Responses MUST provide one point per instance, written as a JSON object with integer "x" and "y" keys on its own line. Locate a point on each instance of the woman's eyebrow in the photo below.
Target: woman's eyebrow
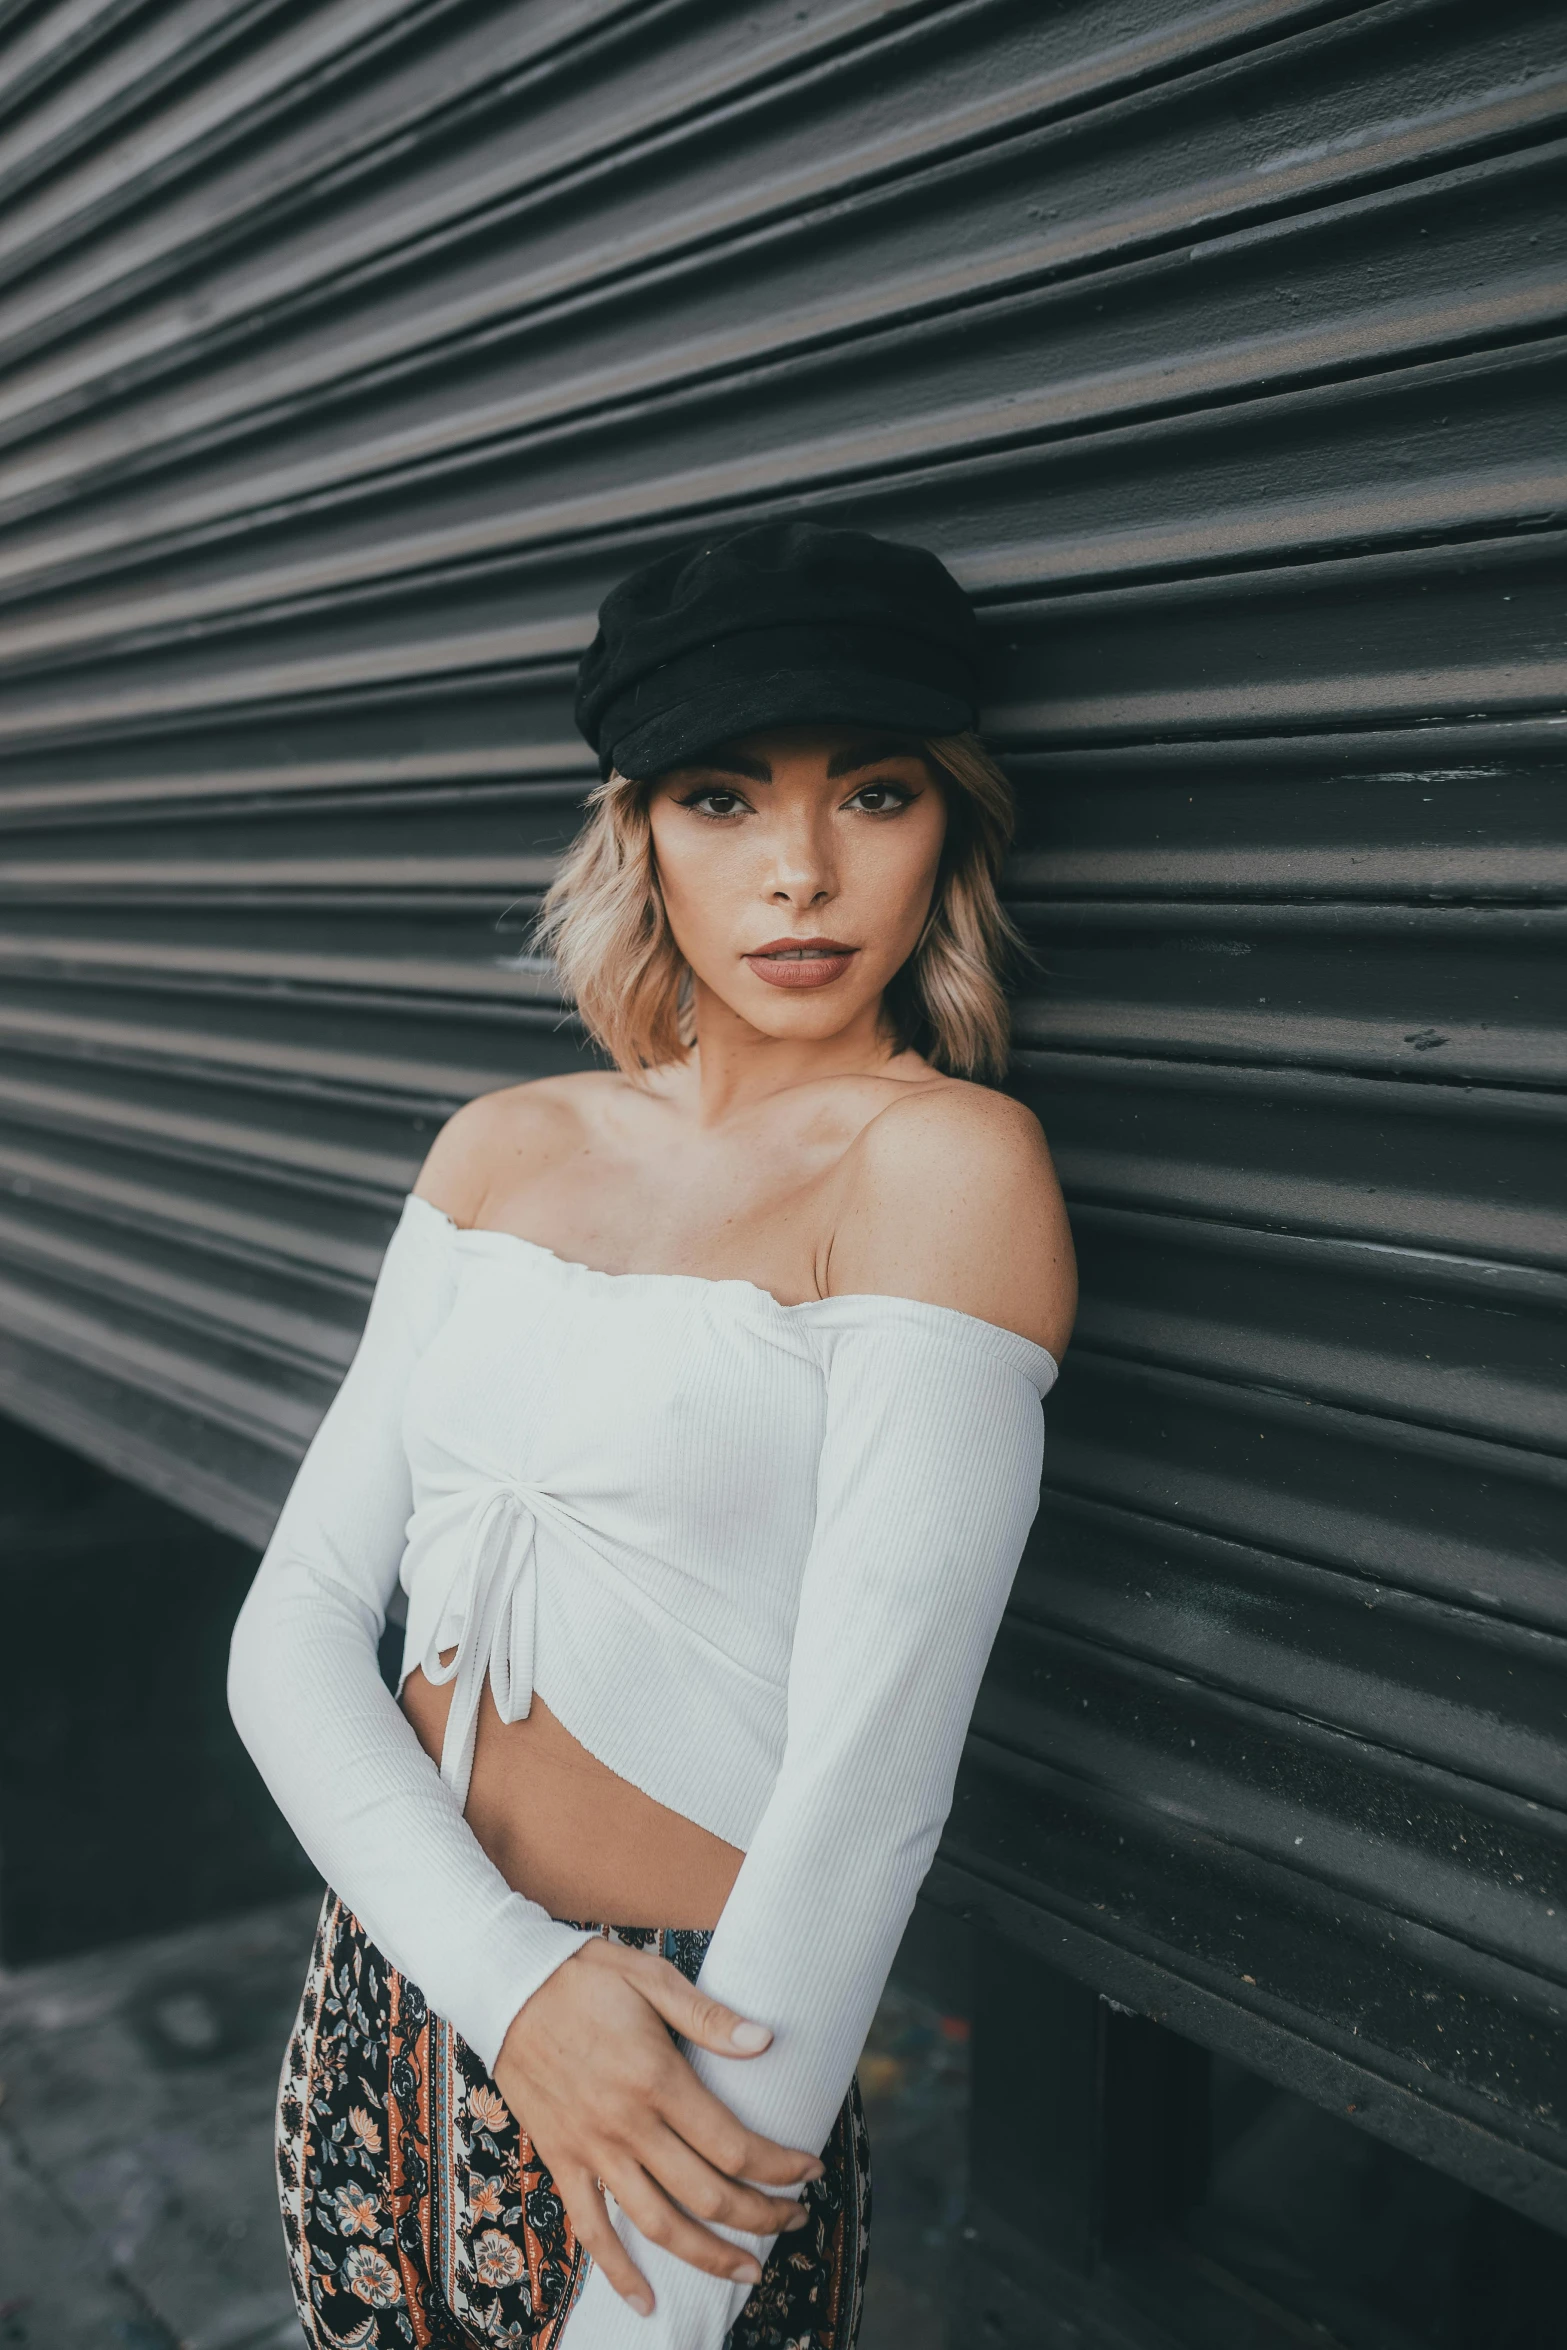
{"x": 860, "y": 755}
{"x": 725, "y": 762}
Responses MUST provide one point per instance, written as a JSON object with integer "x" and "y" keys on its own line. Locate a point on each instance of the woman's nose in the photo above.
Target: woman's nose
{"x": 801, "y": 867}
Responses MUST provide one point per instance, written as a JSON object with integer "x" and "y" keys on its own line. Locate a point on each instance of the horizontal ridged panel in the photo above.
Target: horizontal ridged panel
{"x": 346, "y": 359}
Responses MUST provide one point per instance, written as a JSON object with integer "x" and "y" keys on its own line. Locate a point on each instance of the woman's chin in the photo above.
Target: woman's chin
{"x": 809, "y": 1015}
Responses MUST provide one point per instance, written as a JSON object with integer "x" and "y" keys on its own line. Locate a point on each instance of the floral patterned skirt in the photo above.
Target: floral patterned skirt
{"x": 416, "y": 2212}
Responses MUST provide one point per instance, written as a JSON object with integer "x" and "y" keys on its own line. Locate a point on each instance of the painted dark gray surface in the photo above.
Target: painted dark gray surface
{"x": 349, "y": 355}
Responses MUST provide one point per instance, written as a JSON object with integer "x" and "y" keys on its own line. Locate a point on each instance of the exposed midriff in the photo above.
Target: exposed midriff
{"x": 567, "y": 1831}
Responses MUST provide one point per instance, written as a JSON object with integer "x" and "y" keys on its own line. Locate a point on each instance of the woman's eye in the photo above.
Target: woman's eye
{"x": 880, "y": 799}
{"x": 715, "y": 803}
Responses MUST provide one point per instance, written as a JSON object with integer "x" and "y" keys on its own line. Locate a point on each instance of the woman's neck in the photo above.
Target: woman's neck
{"x": 735, "y": 1066}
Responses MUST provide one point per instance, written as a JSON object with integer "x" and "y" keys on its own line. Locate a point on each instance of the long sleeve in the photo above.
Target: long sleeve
{"x": 308, "y": 1700}
{"x": 928, "y": 1483}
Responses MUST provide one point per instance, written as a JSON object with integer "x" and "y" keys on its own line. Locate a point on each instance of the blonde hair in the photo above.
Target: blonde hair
{"x": 604, "y": 926}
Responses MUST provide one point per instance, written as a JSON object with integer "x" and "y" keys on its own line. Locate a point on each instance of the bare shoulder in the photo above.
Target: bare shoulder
{"x": 490, "y": 1141}
{"x": 949, "y": 1196}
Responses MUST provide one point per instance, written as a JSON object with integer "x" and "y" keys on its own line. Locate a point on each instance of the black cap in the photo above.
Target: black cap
{"x": 784, "y": 625}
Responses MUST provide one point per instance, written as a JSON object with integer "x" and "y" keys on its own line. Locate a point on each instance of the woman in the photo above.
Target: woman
{"x": 697, "y": 1416}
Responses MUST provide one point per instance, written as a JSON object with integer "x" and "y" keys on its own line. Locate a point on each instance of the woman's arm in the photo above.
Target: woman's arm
{"x": 929, "y": 1480}
{"x": 307, "y": 1697}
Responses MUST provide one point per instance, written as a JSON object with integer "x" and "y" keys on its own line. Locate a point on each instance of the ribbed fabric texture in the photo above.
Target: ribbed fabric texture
{"x": 753, "y": 1556}
{"x": 307, "y": 1697}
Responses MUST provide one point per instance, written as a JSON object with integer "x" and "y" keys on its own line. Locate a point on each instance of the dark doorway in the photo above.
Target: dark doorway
{"x": 1156, "y": 2195}
{"x": 127, "y": 1804}
{"x": 1367, "y": 2245}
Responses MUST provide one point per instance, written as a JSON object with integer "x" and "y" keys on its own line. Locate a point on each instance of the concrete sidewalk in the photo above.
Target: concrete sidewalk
{"x": 136, "y": 2198}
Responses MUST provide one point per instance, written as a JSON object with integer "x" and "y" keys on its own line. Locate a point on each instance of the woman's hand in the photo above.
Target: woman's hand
{"x": 592, "y": 2075}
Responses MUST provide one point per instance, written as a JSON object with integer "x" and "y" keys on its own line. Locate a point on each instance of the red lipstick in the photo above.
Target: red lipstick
{"x": 801, "y": 962}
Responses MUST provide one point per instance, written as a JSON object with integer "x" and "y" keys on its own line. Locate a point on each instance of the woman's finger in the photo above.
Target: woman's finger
{"x": 709, "y": 2196}
{"x": 707, "y": 2023}
{"x": 584, "y": 2201}
{"x": 644, "y": 2202}
{"x": 706, "y": 2124}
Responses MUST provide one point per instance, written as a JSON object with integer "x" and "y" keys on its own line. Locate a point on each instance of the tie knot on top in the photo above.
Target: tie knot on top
{"x": 493, "y": 1595}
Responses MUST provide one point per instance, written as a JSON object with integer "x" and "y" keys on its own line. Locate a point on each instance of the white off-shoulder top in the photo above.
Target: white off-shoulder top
{"x": 753, "y": 1556}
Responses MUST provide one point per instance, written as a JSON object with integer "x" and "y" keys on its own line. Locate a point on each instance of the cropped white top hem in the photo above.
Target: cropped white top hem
{"x": 752, "y": 1555}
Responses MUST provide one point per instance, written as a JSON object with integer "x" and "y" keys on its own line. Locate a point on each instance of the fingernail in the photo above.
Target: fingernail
{"x": 642, "y": 2303}
{"x": 816, "y": 2170}
{"x": 749, "y": 2038}
{"x": 748, "y": 2273}
{"x": 796, "y": 2219}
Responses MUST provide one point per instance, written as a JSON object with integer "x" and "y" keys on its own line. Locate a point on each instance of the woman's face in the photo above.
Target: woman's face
{"x": 797, "y": 870}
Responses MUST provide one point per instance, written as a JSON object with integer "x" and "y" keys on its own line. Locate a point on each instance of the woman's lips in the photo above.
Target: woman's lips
{"x": 801, "y": 962}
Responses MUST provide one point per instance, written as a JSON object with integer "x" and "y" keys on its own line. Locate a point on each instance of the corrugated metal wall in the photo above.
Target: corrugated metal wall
{"x": 351, "y": 350}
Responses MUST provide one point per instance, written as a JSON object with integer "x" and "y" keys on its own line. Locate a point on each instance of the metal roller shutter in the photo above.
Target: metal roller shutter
{"x": 350, "y": 352}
